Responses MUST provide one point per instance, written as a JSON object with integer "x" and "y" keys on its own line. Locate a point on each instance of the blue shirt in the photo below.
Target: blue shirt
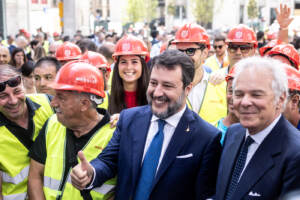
{"x": 222, "y": 128}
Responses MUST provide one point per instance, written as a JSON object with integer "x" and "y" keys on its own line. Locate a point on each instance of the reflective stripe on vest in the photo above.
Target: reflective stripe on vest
{"x": 104, "y": 189}
{"x": 18, "y": 178}
{"x": 51, "y": 183}
{"x": 15, "y": 196}
{"x": 54, "y": 166}
{"x": 15, "y": 164}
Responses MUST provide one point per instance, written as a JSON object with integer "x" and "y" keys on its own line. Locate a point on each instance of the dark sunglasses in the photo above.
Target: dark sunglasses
{"x": 218, "y": 46}
{"x": 191, "y": 51}
{"x": 244, "y": 48}
{"x": 12, "y": 82}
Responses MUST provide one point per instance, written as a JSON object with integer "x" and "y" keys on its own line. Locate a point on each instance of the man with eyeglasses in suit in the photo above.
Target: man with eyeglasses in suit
{"x": 204, "y": 98}
{"x": 21, "y": 118}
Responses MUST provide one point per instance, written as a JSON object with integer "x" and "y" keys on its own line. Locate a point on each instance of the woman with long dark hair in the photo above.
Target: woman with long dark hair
{"x": 18, "y": 58}
{"x": 130, "y": 75}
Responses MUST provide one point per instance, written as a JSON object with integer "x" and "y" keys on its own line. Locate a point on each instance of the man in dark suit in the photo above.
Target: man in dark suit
{"x": 185, "y": 167}
{"x": 261, "y": 157}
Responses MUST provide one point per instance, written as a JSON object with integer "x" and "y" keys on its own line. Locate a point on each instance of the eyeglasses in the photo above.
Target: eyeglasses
{"x": 12, "y": 82}
{"x": 218, "y": 46}
{"x": 51, "y": 52}
{"x": 244, "y": 48}
{"x": 191, "y": 51}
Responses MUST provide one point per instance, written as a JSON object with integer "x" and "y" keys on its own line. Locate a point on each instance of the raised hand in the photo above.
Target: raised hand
{"x": 82, "y": 173}
{"x": 283, "y": 16}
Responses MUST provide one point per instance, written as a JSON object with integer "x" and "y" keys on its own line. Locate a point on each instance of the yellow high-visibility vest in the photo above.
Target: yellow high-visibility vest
{"x": 14, "y": 160}
{"x": 213, "y": 106}
{"x": 54, "y": 166}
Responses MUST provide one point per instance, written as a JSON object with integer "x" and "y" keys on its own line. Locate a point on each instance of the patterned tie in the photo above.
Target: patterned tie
{"x": 150, "y": 163}
{"x": 239, "y": 166}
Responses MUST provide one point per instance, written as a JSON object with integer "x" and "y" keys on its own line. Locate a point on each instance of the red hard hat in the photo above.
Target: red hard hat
{"x": 79, "y": 76}
{"x": 242, "y": 33}
{"x": 131, "y": 45}
{"x": 288, "y": 51}
{"x": 163, "y": 47}
{"x": 192, "y": 33}
{"x": 55, "y": 34}
{"x": 272, "y": 35}
{"x": 231, "y": 74}
{"x": 95, "y": 59}
{"x": 293, "y": 76}
{"x": 67, "y": 51}
{"x": 269, "y": 46}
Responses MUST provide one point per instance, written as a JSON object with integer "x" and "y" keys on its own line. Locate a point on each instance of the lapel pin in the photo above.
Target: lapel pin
{"x": 188, "y": 129}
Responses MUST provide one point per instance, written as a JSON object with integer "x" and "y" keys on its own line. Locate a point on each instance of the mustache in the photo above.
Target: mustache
{"x": 159, "y": 98}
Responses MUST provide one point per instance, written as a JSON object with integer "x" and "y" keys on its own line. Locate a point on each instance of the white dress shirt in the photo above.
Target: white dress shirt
{"x": 258, "y": 139}
{"x": 197, "y": 93}
{"x": 169, "y": 128}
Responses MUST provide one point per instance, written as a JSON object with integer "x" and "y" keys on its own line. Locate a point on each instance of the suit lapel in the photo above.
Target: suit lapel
{"x": 231, "y": 152}
{"x": 262, "y": 160}
{"x": 179, "y": 137}
{"x": 139, "y": 132}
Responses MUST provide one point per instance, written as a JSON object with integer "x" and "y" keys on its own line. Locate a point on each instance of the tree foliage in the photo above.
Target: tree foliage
{"x": 139, "y": 11}
{"x": 171, "y": 9}
{"x": 252, "y": 9}
{"x": 203, "y": 11}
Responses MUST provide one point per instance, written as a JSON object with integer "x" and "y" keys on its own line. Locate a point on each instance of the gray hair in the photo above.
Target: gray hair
{"x": 8, "y": 70}
{"x": 94, "y": 99}
{"x": 276, "y": 68}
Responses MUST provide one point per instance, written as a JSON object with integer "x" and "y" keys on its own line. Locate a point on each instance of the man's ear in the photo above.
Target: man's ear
{"x": 280, "y": 103}
{"x": 188, "y": 88}
{"x": 85, "y": 104}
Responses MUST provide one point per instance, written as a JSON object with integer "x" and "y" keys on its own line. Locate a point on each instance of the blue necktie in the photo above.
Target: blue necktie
{"x": 150, "y": 163}
{"x": 239, "y": 166}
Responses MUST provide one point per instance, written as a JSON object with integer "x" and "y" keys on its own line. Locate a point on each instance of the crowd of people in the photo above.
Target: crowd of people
{"x": 186, "y": 115}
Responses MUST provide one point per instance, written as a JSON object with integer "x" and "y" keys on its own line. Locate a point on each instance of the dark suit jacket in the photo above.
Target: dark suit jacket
{"x": 193, "y": 177}
{"x": 273, "y": 170}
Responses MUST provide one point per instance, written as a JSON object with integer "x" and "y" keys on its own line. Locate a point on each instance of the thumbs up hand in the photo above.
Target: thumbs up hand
{"x": 82, "y": 174}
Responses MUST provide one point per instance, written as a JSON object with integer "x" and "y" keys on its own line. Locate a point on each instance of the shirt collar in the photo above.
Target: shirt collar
{"x": 172, "y": 120}
{"x": 260, "y": 136}
{"x": 31, "y": 106}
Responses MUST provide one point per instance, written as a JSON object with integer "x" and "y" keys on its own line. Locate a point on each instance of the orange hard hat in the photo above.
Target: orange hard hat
{"x": 95, "y": 59}
{"x": 79, "y": 76}
{"x": 288, "y": 51}
{"x": 293, "y": 76}
{"x": 131, "y": 45}
{"x": 242, "y": 33}
{"x": 263, "y": 50}
{"x": 231, "y": 74}
{"x": 67, "y": 51}
{"x": 192, "y": 33}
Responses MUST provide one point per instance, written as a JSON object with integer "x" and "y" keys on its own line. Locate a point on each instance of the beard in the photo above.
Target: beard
{"x": 172, "y": 107}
